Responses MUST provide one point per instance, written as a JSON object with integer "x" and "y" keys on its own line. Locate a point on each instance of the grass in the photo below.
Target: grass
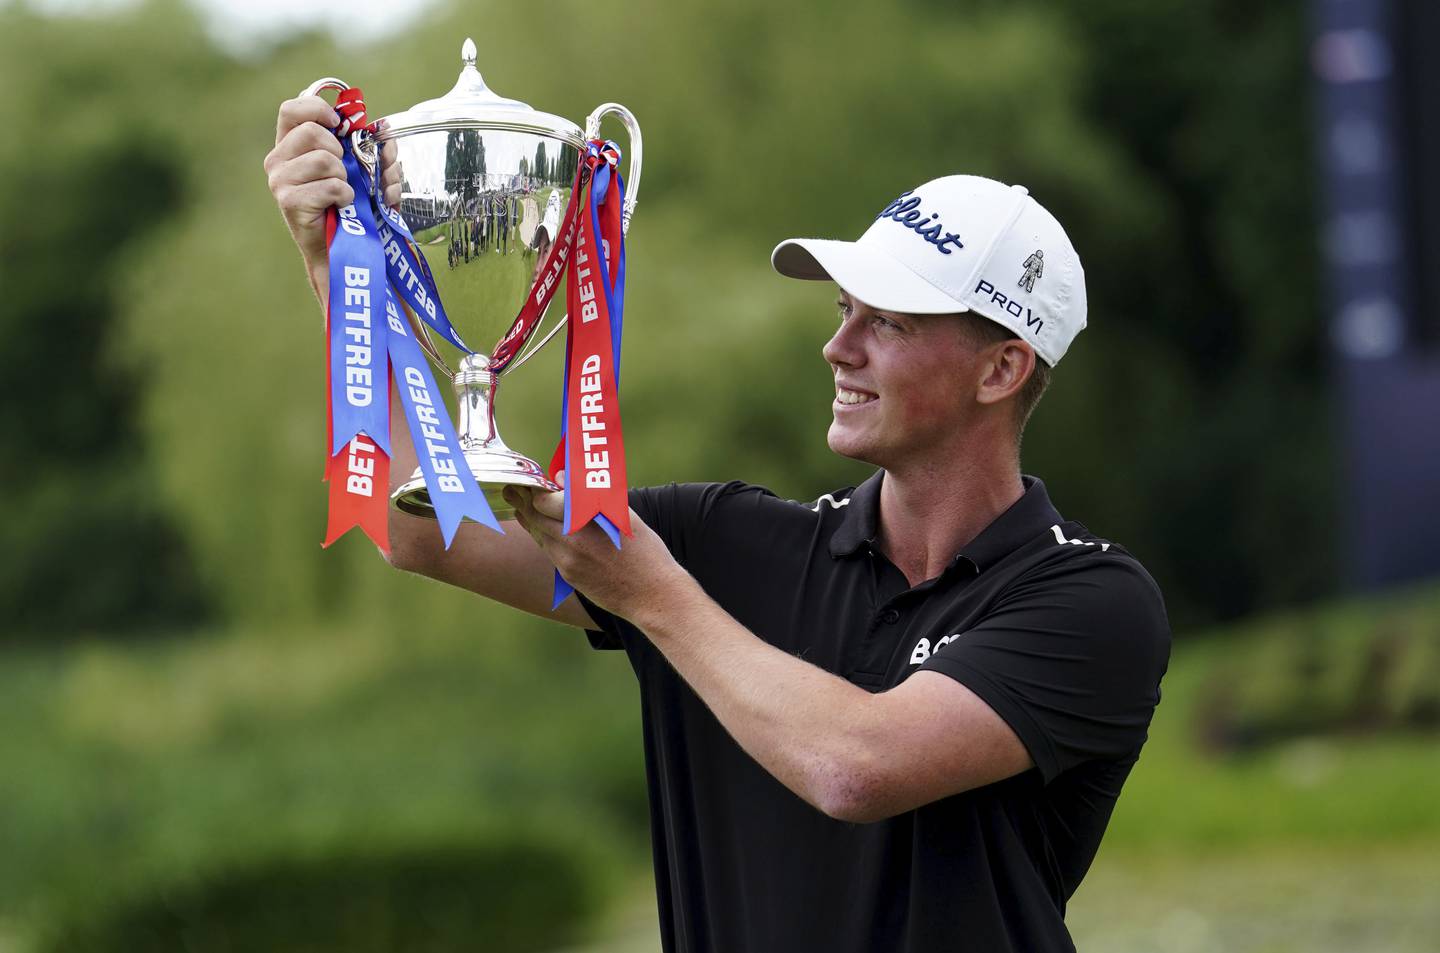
{"x": 1319, "y": 844}
{"x": 133, "y": 762}
{"x": 1315, "y": 899}
{"x": 1352, "y": 788}
{"x": 1270, "y": 900}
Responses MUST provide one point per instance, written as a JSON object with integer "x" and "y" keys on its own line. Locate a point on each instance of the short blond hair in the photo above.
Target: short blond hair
{"x": 980, "y": 331}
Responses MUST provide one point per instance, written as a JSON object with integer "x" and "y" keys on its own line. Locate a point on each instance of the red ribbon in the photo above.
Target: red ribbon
{"x": 359, "y": 478}
{"x": 593, "y": 445}
{"x": 350, "y": 105}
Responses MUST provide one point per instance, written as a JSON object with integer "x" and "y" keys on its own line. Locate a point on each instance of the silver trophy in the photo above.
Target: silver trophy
{"x": 484, "y": 180}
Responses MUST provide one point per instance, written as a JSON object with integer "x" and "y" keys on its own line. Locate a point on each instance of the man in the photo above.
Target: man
{"x": 893, "y": 719}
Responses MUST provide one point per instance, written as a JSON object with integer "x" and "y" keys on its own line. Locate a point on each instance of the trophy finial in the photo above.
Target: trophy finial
{"x": 467, "y": 52}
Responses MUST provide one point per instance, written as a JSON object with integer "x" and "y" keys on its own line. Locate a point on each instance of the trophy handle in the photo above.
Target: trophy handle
{"x": 320, "y": 85}
{"x": 632, "y": 189}
{"x": 364, "y": 145}
{"x": 637, "y": 150}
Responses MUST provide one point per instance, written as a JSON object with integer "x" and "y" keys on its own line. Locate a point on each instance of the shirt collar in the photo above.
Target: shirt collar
{"x": 1026, "y": 518}
{"x": 861, "y": 520}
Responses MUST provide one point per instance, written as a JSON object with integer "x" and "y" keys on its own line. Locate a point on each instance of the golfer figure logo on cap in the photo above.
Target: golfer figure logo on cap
{"x": 1034, "y": 268}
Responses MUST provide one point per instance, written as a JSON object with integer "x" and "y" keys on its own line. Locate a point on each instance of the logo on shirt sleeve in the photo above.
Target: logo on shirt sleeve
{"x": 827, "y": 498}
{"x": 1060, "y": 538}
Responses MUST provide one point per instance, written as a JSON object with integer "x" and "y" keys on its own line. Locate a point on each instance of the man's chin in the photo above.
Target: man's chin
{"x": 849, "y": 445}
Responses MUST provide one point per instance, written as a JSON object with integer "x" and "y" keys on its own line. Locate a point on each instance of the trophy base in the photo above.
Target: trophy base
{"x": 494, "y": 469}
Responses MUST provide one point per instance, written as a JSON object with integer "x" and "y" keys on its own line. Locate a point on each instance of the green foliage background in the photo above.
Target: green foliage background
{"x": 196, "y": 694}
{"x": 1193, "y": 407}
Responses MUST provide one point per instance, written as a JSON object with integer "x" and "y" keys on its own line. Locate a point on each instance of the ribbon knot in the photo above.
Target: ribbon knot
{"x": 350, "y": 104}
{"x": 607, "y": 152}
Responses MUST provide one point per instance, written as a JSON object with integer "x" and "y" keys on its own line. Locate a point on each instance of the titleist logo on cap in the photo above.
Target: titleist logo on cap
{"x": 906, "y": 210}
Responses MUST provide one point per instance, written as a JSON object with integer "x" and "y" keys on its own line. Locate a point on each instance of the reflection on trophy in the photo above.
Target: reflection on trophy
{"x": 484, "y": 180}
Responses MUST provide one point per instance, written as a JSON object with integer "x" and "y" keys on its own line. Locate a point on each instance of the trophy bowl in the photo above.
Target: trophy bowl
{"x": 484, "y": 180}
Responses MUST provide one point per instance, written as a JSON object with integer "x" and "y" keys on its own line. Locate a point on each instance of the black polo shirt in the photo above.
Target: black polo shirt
{"x": 1061, "y": 633}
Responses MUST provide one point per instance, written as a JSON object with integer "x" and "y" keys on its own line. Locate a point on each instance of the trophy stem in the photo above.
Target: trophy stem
{"x": 475, "y": 387}
{"x": 494, "y": 465}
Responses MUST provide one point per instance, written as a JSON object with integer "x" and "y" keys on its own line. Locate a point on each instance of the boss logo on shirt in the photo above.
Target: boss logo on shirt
{"x": 923, "y": 651}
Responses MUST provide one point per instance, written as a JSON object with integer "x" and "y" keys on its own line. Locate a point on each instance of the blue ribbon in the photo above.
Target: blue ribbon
{"x": 614, "y": 295}
{"x": 410, "y": 274}
{"x": 453, "y": 490}
{"x": 359, "y": 399}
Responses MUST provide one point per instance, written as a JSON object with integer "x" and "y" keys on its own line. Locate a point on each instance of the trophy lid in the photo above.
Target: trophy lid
{"x": 471, "y": 104}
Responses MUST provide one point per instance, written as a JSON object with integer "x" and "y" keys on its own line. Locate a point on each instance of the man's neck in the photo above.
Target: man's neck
{"x": 929, "y": 512}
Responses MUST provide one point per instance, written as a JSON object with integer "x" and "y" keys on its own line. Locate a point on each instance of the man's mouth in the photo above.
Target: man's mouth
{"x": 844, "y": 396}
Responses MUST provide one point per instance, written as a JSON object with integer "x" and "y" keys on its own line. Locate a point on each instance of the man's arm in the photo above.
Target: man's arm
{"x": 511, "y": 569}
{"x": 854, "y": 755}
{"x": 307, "y": 178}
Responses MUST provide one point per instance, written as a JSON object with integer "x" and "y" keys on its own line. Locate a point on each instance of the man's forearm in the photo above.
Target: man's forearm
{"x": 319, "y": 275}
{"x": 804, "y": 725}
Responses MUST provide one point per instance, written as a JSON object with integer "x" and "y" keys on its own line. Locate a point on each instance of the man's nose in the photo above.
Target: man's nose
{"x": 842, "y": 347}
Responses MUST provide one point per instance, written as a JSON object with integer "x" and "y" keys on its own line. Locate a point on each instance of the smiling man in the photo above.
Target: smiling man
{"x": 897, "y": 718}
{"x": 893, "y": 719}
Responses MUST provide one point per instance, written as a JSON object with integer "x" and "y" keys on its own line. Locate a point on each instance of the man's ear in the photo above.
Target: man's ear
{"x": 1006, "y": 367}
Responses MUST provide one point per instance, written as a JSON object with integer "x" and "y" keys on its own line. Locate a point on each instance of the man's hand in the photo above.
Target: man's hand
{"x": 624, "y": 581}
{"x": 307, "y": 177}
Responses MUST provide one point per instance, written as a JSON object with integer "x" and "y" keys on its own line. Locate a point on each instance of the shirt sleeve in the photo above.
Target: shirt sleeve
{"x": 677, "y": 513}
{"x": 1071, "y": 659}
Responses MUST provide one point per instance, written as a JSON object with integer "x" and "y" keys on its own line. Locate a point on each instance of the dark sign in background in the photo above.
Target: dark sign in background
{"x": 1377, "y": 83}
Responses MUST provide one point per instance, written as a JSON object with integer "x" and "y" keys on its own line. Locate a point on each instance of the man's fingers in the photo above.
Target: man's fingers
{"x": 519, "y": 497}
{"x": 302, "y": 141}
{"x": 390, "y": 183}
{"x": 306, "y": 138}
{"x": 541, "y": 528}
{"x": 303, "y": 109}
{"x": 311, "y": 199}
{"x": 314, "y": 177}
{"x": 551, "y": 505}
{"x": 536, "y": 511}
{"x": 313, "y": 166}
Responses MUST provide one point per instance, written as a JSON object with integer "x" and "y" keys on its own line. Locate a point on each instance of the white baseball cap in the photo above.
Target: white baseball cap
{"x": 959, "y": 243}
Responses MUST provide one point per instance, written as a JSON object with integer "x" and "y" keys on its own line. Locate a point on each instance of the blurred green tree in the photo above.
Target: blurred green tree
{"x": 92, "y": 544}
{"x": 1190, "y": 423}
{"x": 1212, "y": 318}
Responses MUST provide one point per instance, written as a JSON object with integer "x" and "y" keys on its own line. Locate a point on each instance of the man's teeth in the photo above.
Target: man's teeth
{"x": 852, "y": 397}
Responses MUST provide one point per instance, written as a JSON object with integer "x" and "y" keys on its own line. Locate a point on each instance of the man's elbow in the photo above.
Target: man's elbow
{"x": 404, "y": 554}
{"x": 853, "y": 792}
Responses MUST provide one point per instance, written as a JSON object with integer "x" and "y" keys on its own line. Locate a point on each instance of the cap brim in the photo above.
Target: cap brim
{"x": 866, "y": 273}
